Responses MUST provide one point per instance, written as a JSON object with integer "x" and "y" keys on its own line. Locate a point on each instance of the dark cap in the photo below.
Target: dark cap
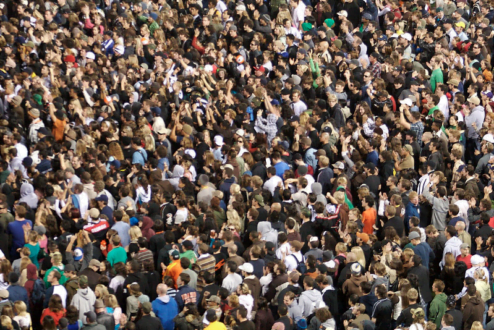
{"x": 216, "y": 245}
{"x": 43, "y": 131}
{"x": 294, "y": 119}
{"x": 91, "y": 316}
{"x": 187, "y": 244}
{"x": 269, "y": 246}
{"x": 370, "y": 166}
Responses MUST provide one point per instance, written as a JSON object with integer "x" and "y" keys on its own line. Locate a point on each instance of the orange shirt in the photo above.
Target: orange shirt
{"x": 58, "y": 129}
{"x": 369, "y": 219}
{"x": 174, "y": 270}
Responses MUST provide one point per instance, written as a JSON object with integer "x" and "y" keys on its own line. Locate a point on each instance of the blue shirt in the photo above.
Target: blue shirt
{"x": 122, "y": 228}
{"x": 15, "y": 229}
{"x": 372, "y": 157}
{"x": 281, "y": 167}
{"x": 139, "y": 157}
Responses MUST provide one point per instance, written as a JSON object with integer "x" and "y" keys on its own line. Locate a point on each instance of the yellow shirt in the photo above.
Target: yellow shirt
{"x": 216, "y": 326}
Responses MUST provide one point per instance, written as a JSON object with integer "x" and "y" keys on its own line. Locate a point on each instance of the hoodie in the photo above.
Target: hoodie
{"x": 267, "y": 126}
{"x": 473, "y": 311}
{"x": 438, "y": 308}
{"x": 317, "y": 190}
{"x": 28, "y": 196}
{"x": 477, "y": 116}
{"x": 84, "y": 301}
{"x": 268, "y": 234}
{"x": 32, "y": 276}
{"x": 352, "y": 285}
{"x": 310, "y": 300}
{"x": 147, "y": 228}
{"x": 452, "y": 246}
{"x": 165, "y": 309}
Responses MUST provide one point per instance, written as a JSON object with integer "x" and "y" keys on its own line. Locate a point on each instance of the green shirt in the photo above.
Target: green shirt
{"x": 436, "y": 78}
{"x": 34, "y": 253}
{"x": 189, "y": 255}
{"x": 117, "y": 254}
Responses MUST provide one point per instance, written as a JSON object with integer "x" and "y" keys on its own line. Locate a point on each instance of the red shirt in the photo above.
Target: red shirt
{"x": 466, "y": 260}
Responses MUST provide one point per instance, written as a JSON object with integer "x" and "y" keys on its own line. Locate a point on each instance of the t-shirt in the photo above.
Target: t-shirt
{"x": 15, "y": 229}
{"x": 117, "y": 254}
{"x": 369, "y": 219}
{"x": 58, "y": 129}
{"x": 258, "y": 267}
{"x": 34, "y": 253}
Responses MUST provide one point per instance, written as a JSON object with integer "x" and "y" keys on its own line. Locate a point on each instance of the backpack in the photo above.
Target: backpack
{"x": 301, "y": 267}
{"x": 38, "y": 294}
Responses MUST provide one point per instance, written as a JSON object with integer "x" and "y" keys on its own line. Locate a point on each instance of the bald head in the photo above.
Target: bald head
{"x": 351, "y": 257}
{"x": 276, "y": 207}
{"x": 161, "y": 289}
{"x": 460, "y": 225}
{"x": 323, "y": 46}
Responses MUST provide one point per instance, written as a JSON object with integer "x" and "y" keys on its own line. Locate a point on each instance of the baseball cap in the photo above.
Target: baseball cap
{"x": 339, "y": 165}
{"x": 460, "y": 168}
{"x": 94, "y": 263}
{"x": 214, "y": 298}
{"x": 115, "y": 163}
{"x": 174, "y": 254}
{"x": 101, "y": 198}
{"x": 78, "y": 254}
{"x": 91, "y": 316}
{"x": 356, "y": 269}
{"x": 94, "y": 213}
{"x": 83, "y": 280}
{"x": 464, "y": 246}
{"x": 408, "y": 148}
{"x": 413, "y": 235}
{"x": 247, "y": 267}
{"x": 216, "y": 245}
{"x": 370, "y": 166}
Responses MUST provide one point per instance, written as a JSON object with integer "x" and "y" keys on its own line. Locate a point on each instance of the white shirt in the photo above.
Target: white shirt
{"x": 62, "y": 292}
{"x": 220, "y": 5}
{"x": 21, "y": 150}
{"x": 463, "y": 206}
{"x": 272, "y": 183}
{"x": 444, "y": 106}
{"x": 471, "y": 271}
{"x": 231, "y": 282}
{"x": 298, "y": 15}
{"x": 248, "y": 302}
{"x": 298, "y": 107}
{"x": 284, "y": 248}
{"x": 310, "y": 181}
{"x": 291, "y": 263}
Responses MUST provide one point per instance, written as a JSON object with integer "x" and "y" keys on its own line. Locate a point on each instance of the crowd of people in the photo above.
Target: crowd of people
{"x": 246, "y": 165}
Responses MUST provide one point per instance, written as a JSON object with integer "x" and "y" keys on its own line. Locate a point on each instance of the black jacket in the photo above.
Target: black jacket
{"x": 424, "y": 287}
{"x": 107, "y": 320}
{"x": 149, "y": 322}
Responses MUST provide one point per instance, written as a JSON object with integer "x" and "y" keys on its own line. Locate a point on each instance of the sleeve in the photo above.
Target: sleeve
{"x": 428, "y": 195}
{"x": 433, "y": 312}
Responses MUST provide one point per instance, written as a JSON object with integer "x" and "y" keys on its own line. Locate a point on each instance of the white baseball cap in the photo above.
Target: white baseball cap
{"x": 218, "y": 140}
{"x": 342, "y": 13}
{"x": 247, "y": 267}
{"x": 407, "y": 101}
{"x": 90, "y": 55}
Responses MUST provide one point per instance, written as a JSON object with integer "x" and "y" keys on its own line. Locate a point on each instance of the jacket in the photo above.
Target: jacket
{"x": 425, "y": 251}
{"x": 92, "y": 276}
{"x": 473, "y": 311}
{"x": 149, "y": 322}
{"x": 188, "y": 322}
{"x": 106, "y": 319}
{"x": 140, "y": 279}
{"x": 264, "y": 319}
{"x": 185, "y": 295}
{"x": 84, "y": 300}
{"x": 93, "y": 326}
{"x": 440, "y": 209}
{"x": 452, "y": 246}
{"x": 268, "y": 234}
{"x": 274, "y": 288}
{"x": 17, "y": 292}
{"x": 424, "y": 287}
{"x": 255, "y": 288}
{"x": 309, "y": 300}
{"x": 72, "y": 285}
{"x": 166, "y": 309}
{"x": 477, "y": 116}
{"x": 352, "y": 285}
{"x": 438, "y": 308}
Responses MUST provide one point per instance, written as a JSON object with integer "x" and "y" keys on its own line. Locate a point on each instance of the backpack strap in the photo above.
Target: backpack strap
{"x": 296, "y": 259}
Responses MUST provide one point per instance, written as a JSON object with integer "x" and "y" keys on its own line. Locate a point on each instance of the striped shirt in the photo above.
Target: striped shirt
{"x": 207, "y": 262}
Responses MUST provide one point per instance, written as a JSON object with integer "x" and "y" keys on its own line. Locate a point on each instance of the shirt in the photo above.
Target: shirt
{"x": 122, "y": 228}
{"x": 369, "y": 219}
{"x": 231, "y": 282}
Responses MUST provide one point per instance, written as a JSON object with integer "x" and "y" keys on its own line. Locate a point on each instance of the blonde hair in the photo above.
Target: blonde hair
{"x": 102, "y": 290}
{"x": 233, "y": 219}
{"x": 360, "y": 255}
{"x": 477, "y": 326}
{"x": 6, "y": 322}
{"x": 57, "y": 258}
{"x": 244, "y": 289}
{"x": 111, "y": 301}
{"x": 20, "y": 308}
{"x": 340, "y": 197}
{"x": 135, "y": 233}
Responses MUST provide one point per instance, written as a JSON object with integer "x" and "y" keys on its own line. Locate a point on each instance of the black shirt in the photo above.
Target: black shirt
{"x": 382, "y": 313}
{"x": 246, "y": 325}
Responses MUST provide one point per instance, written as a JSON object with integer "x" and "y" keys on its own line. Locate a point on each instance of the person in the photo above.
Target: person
{"x": 165, "y": 308}
{"x": 147, "y": 321}
{"x": 438, "y": 304}
{"x": 91, "y": 322}
{"x": 84, "y": 299}
{"x": 55, "y": 309}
